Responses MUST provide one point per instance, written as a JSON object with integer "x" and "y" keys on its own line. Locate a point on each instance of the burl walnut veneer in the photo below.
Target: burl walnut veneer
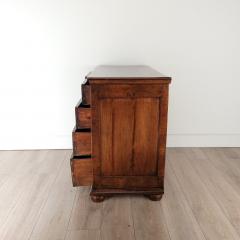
{"x": 119, "y": 141}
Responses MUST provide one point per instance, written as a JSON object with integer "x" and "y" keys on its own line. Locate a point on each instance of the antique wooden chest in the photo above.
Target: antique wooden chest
{"x": 119, "y": 141}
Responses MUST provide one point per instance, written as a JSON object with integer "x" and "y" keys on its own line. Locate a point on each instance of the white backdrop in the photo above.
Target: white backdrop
{"x": 47, "y": 46}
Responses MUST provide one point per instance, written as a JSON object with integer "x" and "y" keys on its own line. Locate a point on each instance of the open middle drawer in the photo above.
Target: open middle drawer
{"x": 83, "y": 116}
{"x": 81, "y": 141}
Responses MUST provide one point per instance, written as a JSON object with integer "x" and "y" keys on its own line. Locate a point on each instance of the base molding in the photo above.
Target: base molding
{"x": 98, "y": 195}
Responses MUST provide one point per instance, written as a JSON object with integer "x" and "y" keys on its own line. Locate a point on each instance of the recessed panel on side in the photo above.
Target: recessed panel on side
{"x": 145, "y": 145}
{"x": 106, "y": 120}
{"x": 117, "y": 126}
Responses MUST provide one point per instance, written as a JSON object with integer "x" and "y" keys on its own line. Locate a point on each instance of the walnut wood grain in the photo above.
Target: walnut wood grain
{"x": 83, "y": 116}
{"x": 81, "y": 142}
{"x": 129, "y": 122}
{"x": 126, "y": 109}
{"x": 82, "y": 171}
{"x": 86, "y": 94}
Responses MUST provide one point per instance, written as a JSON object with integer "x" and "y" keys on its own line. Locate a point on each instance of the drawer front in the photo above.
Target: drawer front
{"x": 83, "y": 116}
{"x": 86, "y": 94}
{"x": 81, "y": 142}
{"x": 82, "y": 171}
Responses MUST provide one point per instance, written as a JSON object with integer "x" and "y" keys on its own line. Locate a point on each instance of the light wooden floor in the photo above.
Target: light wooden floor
{"x": 201, "y": 201}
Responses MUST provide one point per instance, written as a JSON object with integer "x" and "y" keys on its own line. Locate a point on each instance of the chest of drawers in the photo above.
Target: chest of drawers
{"x": 119, "y": 141}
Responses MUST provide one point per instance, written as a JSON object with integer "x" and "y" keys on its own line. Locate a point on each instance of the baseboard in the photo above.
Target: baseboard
{"x": 36, "y": 142}
{"x": 65, "y": 141}
{"x": 203, "y": 140}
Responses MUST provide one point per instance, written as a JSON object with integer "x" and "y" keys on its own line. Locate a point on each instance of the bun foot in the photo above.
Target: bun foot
{"x": 155, "y": 197}
{"x": 97, "y": 198}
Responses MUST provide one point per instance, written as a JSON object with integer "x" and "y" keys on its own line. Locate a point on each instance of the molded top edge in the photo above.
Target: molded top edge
{"x": 130, "y": 72}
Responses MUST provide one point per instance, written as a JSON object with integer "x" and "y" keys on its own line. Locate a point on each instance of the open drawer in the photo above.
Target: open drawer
{"x": 86, "y": 94}
{"x": 81, "y": 141}
{"x": 82, "y": 170}
{"x": 83, "y": 116}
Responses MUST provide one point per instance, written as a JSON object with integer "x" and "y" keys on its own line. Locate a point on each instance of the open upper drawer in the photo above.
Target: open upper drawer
{"x": 86, "y": 94}
{"x": 83, "y": 116}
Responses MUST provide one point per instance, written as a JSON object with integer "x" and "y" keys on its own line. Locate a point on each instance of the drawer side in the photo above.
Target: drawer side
{"x": 82, "y": 171}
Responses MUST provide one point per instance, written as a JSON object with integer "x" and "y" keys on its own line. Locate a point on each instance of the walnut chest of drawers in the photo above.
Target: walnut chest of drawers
{"x": 119, "y": 141}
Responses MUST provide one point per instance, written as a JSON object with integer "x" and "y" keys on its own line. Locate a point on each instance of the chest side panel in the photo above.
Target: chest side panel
{"x": 145, "y": 144}
{"x": 116, "y": 137}
{"x": 129, "y": 136}
{"x": 126, "y": 130}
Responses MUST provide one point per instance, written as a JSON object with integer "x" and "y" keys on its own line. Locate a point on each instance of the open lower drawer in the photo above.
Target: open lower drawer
{"x": 82, "y": 170}
{"x": 83, "y": 116}
{"x": 81, "y": 141}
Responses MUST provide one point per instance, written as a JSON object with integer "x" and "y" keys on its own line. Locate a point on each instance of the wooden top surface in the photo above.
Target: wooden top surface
{"x": 126, "y": 72}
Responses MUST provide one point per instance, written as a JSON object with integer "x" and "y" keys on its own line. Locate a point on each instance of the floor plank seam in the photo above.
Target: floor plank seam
{"x": 70, "y": 215}
{"x": 44, "y": 203}
{"x": 101, "y": 222}
{"x": 165, "y": 221}
{"x": 227, "y": 180}
{"x": 14, "y": 205}
{"x": 182, "y": 190}
{"x": 132, "y": 220}
{"x": 213, "y": 196}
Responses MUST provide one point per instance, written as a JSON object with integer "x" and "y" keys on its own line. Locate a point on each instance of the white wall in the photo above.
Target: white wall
{"x": 47, "y": 46}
